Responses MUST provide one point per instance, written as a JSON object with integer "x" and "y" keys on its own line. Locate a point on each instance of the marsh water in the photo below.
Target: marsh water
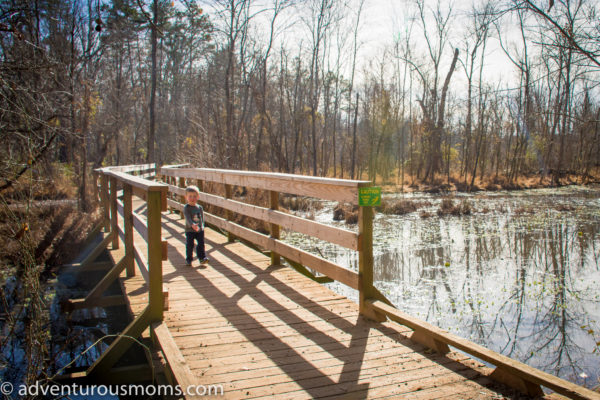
{"x": 519, "y": 275}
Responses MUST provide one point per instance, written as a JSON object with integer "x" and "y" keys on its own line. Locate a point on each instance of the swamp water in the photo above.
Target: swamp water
{"x": 519, "y": 275}
{"x": 78, "y": 338}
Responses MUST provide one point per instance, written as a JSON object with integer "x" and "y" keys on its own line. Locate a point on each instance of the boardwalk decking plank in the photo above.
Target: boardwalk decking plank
{"x": 323, "y": 386}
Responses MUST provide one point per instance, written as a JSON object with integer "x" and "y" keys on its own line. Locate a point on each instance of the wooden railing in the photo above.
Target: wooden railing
{"x": 341, "y": 190}
{"x": 117, "y": 187}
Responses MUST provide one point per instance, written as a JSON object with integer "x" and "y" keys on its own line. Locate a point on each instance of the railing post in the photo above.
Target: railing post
{"x": 182, "y": 198}
{"x": 274, "y": 204}
{"x": 96, "y": 192}
{"x": 114, "y": 222}
{"x": 200, "y": 184}
{"x": 230, "y": 236}
{"x": 105, "y": 202}
{"x": 365, "y": 263}
{"x": 155, "y": 284}
{"x": 128, "y": 230}
{"x": 182, "y": 185}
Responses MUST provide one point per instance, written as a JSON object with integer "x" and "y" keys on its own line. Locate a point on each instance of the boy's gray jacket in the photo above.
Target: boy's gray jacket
{"x": 193, "y": 215}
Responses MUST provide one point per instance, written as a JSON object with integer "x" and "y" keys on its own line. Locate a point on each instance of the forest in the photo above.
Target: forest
{"x": 293, "y": 86}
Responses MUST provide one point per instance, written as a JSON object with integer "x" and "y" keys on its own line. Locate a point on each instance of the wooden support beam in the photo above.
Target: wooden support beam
{"x": 115, "y": 376}
{"x": 107, "y": 280}
{"x": 365, "y": 263}
{"x": 274, "y": 203}
{"x": 130, "y": 374}
{"x": 128, "y": 230}
{"x": 114, "y": 220}
{"x": 91, "y": 257}
{"x": 200, "y": 184}
{"x": 103, "y": 301}
{"x": 100, "y": 369}
{"x": 165, "y": 292}
{"x": 93, "y": 234}
{"x": 163, "y": 201}
{"x": 165, "y": 250}
{"x": 304, "y": 271}
{"x": 94, "y": 266}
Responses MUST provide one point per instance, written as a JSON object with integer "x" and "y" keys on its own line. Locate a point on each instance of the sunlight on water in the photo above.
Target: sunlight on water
{"x": 521, "y": 278}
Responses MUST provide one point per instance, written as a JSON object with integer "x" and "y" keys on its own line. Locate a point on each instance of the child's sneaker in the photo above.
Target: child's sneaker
{"x": 204, "y": 261}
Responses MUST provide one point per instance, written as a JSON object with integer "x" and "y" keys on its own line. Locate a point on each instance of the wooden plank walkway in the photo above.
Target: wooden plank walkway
{"x": 264, "y": 331}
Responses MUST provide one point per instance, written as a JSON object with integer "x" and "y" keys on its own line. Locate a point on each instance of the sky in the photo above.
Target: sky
{"x": 381, "y": 23}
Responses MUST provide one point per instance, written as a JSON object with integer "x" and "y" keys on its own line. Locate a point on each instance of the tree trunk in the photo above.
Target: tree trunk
{"x": 150, "y": 156}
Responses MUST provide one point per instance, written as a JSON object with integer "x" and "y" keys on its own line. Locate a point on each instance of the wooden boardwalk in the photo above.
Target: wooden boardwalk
{"x": 262, "y": 330}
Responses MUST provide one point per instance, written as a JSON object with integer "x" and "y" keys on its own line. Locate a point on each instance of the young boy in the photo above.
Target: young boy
{"x": 194, "y": 226}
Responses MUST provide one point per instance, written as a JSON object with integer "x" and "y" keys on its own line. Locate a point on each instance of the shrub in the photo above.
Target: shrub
{"x": 399, "y": 207}
{"x": 425, "y": 214}
{"x": 448, "y": 207}
{"x": 295, "y": 203}
{"x": 345, "y": 212}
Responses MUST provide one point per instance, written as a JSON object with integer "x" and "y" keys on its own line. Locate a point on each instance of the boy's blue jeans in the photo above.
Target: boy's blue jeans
{"x": 189, "y": 245}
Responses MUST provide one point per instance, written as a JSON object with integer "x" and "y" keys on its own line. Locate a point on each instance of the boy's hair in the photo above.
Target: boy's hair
{"x": 192, "y": 189}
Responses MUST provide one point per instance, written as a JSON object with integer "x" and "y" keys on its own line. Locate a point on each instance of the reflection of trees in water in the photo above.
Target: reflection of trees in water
{"x": 560, "y": 311}
{"x": 540, "y": 313}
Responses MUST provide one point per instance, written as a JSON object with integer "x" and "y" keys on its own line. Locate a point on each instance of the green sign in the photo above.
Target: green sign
{"x": 369, "y": 196}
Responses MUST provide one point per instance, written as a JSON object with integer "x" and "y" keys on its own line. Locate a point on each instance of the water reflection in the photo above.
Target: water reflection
{"x": 524, "y": 284}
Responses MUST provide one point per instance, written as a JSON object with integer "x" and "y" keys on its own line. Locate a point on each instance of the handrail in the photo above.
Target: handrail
{"x": 135, "y": 181}
{"x": 139, "y": 168}
{"x": 324, "y": 188}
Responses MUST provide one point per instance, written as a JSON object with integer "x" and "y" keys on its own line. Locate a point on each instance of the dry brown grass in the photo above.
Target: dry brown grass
{"x": 50, "y": 181}
{"x": 440, "y": 183}
{"x": 448, "y": 207}
{"x": 401, "y": 207}
{"x": 346, "y": 212}
{"x": 425, "y": 214}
